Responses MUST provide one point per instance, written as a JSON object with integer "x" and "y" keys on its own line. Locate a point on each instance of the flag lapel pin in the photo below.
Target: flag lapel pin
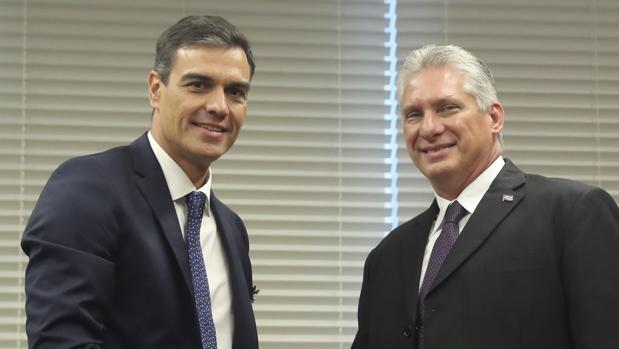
{"x": 507, "y": 198}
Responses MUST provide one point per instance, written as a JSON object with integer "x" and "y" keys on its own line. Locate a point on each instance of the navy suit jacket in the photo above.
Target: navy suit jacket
{"x": 535, "y": 267}
{"x": 108, "y": 266}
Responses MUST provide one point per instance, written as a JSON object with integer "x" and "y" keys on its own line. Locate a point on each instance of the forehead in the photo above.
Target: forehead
{"x": 212, "y": 60}
{"x": 432, "y": 83}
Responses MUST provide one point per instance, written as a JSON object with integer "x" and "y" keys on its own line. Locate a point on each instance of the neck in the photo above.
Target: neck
{"x": 452, "y": 186}
{"x": 197, "y": 174}
{"x": 196, "y": 170}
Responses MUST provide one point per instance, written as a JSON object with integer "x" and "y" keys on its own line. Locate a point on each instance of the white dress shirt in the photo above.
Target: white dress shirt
{"x": 214, "y": 256}
{"x": 469, "y": 199}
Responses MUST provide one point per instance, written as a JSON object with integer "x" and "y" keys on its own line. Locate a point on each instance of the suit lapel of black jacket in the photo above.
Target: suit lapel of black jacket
{"x": 153, "y": 186}
{"x": 502, "y": 197}
{"x": 237, "y": 274}
{"x": 412, "y": 250}
{"x": 229, "y": 235}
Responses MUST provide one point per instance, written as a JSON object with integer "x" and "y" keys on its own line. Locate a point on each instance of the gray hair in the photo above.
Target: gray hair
{"x": 478, "y": 80}
{"x": 192, "y": 31}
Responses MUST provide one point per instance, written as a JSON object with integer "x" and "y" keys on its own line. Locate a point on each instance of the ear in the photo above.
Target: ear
{"x": 154, "y": 88}
{"x": 497, "y": 116}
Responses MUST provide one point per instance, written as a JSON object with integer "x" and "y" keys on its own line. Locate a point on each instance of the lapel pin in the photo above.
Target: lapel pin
{"x": 507, "y": 198}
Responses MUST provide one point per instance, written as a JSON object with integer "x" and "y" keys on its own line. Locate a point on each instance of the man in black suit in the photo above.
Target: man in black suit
{"x": 108, "y": 263}
{"x": 521, "y": 261}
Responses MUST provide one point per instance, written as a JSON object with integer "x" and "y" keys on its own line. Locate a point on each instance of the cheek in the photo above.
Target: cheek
{"x": 410, "y": 135}
{"x": 238, "y": 116}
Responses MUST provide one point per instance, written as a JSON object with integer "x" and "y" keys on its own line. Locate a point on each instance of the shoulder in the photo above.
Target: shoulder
{"x": 87, "y": 184}
{"x": 104, "y": 172}
{"x": 413, "y": 231}
{"x": 398, "y": 234}
{"x": 572, "y": 205}
{"x": 561, "y": 189}
{"x": 551, "y": 184}
{"x": 80, "y": 204}
{"x": 102, "y": 163}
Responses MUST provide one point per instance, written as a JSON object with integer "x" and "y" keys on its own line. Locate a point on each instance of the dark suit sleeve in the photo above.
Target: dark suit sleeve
{"x": 591, "y": 271}
{"x": 70, "y": 273}
{"x": 361, "y": 340}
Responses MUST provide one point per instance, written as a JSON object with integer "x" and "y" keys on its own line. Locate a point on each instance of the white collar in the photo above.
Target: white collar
{"x": 475, "y": 191}
{"x": 177, "y": 180}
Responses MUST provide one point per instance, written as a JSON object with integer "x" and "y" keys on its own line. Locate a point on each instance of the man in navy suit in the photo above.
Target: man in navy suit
{"x": 108, "y": 263}
{"x": 520, "y": 261}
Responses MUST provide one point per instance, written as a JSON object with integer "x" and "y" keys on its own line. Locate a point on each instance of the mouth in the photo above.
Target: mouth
{"x": 436, "y": 149}
{"x": 211, "y": 128}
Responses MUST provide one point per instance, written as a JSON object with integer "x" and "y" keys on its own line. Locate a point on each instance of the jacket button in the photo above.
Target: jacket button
{"x": 407, "y": 331}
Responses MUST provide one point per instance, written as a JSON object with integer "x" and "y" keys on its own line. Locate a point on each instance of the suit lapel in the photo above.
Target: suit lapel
{"x": 502, "y": 197}
{"x": 226, "y": 232}
{"x": 244, "y": 329}
{"x": 153, "y": 186}
{"x": 412, "y": 250}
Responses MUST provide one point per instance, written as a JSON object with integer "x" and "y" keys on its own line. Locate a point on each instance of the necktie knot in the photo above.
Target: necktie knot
{"x": 454, "y": 212}
{"x": 442, "y": 246}
{"x": 196, "y": 201}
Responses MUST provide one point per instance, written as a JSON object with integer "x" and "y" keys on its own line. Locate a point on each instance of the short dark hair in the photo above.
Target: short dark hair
{"x": 192, "y": 31}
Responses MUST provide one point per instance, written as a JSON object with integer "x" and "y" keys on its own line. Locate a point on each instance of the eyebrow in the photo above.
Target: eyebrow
{"x": 448, "y": 99}
{"x": 436, "y": 102}
{"x": 439, "y": 101}
{"x": 207, "y": 79}
{"x": 409, "y": 109}
{"x": 194, "y": 77}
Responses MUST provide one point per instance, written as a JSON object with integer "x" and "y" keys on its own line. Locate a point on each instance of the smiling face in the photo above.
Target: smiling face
{"x": 448, "y": 138}
{"x": 198, "y": 114}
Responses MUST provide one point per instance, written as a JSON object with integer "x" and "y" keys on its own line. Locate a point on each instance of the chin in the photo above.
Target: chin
{"x": 210, "y": 156}
{"x": 437, "y": 170}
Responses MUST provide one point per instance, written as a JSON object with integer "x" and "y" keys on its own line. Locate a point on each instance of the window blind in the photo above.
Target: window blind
{"x": 11, "y": 172}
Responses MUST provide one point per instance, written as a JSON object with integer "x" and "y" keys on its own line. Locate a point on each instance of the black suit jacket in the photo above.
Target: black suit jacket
{"x": 108, "y": 266}
{"x": 536, "y": 267}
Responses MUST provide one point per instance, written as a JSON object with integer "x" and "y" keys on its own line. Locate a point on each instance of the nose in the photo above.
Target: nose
{"x": 431, "y": 126}
{"x": 217, "y": 103}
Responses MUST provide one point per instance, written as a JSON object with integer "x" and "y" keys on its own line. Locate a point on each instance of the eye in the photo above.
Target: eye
{"x": 448, "y": 108}
{"x": 237, "y": 92}
{"x": 196, "y": 85}
{"x": 412, "y": 116}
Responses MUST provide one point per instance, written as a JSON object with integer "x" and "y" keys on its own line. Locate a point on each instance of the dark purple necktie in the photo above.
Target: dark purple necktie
{"x": 443, "y": 244}
{"x": 199, "y": 281}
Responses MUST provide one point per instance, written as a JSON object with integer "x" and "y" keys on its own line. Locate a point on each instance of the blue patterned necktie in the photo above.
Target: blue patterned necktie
{"x": 443, "y": 245}
{"x": 199, "y": 281}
